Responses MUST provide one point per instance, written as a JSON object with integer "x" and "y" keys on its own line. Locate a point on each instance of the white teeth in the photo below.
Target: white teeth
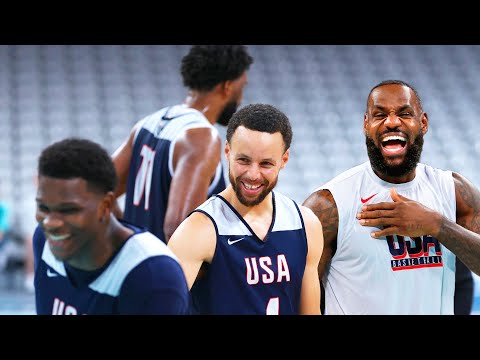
{"x": 251, "y": 187}
{"x": 394, "y": 137}
{"x": 57, "y": 237}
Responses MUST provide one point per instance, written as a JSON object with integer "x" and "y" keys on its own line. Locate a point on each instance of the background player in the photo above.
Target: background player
{"x": 170, "y": 163}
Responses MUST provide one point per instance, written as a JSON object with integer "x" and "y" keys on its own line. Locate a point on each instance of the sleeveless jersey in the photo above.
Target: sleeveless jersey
{"x": 151, "y": 166}
{"x": 143, "y": 268}
{"x": 393, "y": 274}
{"x": 248, "y": 275}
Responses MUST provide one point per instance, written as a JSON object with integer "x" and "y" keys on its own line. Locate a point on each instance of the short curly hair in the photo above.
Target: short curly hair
{"x": 264, "y": 118}
{"x": 206, "y": 66}
{"x": 79, "y": 158}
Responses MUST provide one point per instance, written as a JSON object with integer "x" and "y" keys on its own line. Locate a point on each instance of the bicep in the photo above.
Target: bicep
{"x": 310, "y": 293}
{"x": 467, "y": 203}
{"x": 196, "y": 156}
{"x": 193, "y": 242}
{"x": 310, "y": 299}
{"x": 195, "y": 162}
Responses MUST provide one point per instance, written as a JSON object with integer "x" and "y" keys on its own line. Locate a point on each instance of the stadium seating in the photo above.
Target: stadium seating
{"x": 48, "y": 92}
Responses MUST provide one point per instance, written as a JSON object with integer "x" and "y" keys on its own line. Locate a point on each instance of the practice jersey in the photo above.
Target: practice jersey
{"x": 143, "y": 277}
{"x": 151, "y": 165}
{"x": 393, "y": 274}
{"x": 248, "y": 275}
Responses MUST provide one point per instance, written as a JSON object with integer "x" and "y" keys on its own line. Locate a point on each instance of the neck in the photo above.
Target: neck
{"x": 265, "y": 206}
{"x": 205, "y": 103}
{"x": 102, "y": 248}
{"x": 396, "y": 179}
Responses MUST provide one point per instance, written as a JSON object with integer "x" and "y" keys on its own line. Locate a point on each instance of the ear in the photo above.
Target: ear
{"x": 424, "y": 123}
{"x": 106, "y": 206}
{"x": 226, "y": 88}
{"x": 285, "y": 158}
{"x": 227, "y": 150}
{"x": 365, "y": 122}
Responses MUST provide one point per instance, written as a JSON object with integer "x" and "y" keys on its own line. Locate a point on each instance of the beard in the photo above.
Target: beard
{"x": 236, "y": 185}
{"x": 227, "y": 112}
{"x": 412, "y": 157}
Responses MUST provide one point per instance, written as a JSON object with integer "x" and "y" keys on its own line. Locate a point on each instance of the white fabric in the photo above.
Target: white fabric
{"x": 364, "y": 276}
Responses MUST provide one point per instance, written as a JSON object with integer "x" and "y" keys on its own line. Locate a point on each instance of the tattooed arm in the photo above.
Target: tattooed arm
{"x": 324, "y": 207}
{"x": 464, "y": 240}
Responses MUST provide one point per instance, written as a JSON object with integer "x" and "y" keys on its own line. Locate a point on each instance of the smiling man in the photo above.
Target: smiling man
{"x": 261, "y": 248}
{"x": 86, "y": 261}
{"x": 387, "y": 253}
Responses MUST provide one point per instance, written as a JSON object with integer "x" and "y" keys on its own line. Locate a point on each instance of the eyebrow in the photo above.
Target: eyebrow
{"x": 404, "y": 107}
{"x": 249, "y": 158}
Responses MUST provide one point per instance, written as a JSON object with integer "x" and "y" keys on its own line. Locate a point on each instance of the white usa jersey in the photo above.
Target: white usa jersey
{"x": 393, "y": 274}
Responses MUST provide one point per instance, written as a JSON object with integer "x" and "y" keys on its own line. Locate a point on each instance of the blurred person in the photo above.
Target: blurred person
{"x": 170, "y": 163}
{"x": 262, "y": 249}
{"x": 421, "y": 218}
{"x": 86, "y": 261}
{"x": 4, "y": 230}
{"x": 13, "y": 248}
{"x": 4, "y": 219}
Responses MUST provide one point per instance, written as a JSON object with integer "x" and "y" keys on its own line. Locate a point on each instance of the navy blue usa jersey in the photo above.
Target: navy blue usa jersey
{"x": 142, "y": 278}
{"x": 151, "y": 166}
{"x": 248, "y": 275}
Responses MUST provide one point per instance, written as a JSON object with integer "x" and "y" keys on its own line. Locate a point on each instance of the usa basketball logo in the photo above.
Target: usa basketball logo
{"x": 412, "y": 253}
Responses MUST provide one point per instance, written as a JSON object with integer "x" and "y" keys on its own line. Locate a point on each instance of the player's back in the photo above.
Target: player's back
{"x": 249, "y": 275}
{"x": 151, "y": 166}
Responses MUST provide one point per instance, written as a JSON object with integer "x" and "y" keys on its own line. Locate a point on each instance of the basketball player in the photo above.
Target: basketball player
{"x": 393, "y": 226}
{"x": 170, "y": 162}
{"x": 262, "y": 249}
{"x": 86, "y": 261}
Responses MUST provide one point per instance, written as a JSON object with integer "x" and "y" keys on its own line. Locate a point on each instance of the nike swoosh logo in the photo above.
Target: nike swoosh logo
{"x": 51, "y": 274}
{"x": 368, "y": 198}
{"x": 230, "y": 242}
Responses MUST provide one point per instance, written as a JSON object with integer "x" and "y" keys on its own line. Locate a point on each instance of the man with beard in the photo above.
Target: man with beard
{"x": 170, "y": 163}
{"x": 393, "y": 226}
{"x": 261, "y": 249}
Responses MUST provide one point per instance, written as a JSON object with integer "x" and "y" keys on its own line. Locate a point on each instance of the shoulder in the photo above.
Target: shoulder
{"x": 199, "y": 226}
{"x": 143, "y": 245}
{"x": 200, "y": 142}
{"x": 206, "y": 135}
{"x": 309, "y": 217}
{"x": 460, "y": 180}
{"x": 320, "y": 199}
{"x": 199, "y": 221}
{"x": 161, "y": 269}
{"x": 465, "y": 190}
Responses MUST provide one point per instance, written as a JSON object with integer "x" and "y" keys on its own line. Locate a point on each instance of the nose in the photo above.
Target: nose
{"x": 392, "y": 121}
{"x": 253, "y": 172}
{"x": 51, "y": 222}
